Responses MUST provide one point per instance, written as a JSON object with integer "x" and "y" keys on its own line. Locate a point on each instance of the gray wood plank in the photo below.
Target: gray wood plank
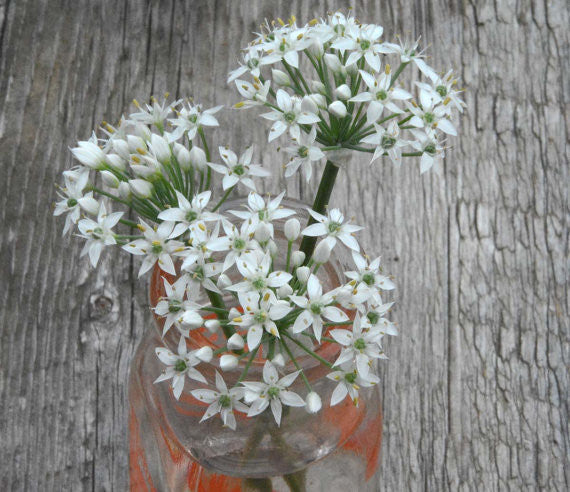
{"x": 476, "y": 390}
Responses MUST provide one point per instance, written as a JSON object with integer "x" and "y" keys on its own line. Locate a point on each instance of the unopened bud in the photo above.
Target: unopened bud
{"x": 307, "y": 104}
{"x": 343, "y": 92}
{"x": 280, "y": 78}
{"x": 228, "y": 362}
{"x": 182, "y": 156}
{"x": 317, "y": 86}
{"x": 338, "y": 109}
{"x": 278, "y": 360}
{"x": 198, "y": 158}
{"x": 116, "y": 162}
{"x": 272, "y": 248}
{"x": 262, "y": 232}
{"x": 322, "y": 253}
{"x": 297, "y": 258}
{"x": 205, "y": 354}
{"x": 109, "y": 179}
{"x": 303, "y": 274}
{"x": 319, "y": 100}
{"x": 89, "y": 204}
{"x": 223, "y": 281}
{"x": 140, "y": 187}
{"x": 124, "y": 190}
{"x": 160, "y": 148}
{"x": 313, "y": 402}
{"x": 333, "y": 62}
{"x": 292, "y": 229}
{"x": 235, "y": 342}
{"x": 212, "y": 325}
{"x": 121, "y": 147}
{"x": 284, "y": 291}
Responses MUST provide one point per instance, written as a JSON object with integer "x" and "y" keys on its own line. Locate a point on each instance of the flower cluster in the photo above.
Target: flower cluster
{"x": 253, "y": 277}
{"x": 329, "y": 85}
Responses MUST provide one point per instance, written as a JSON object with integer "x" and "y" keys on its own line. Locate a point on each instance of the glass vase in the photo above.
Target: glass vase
{"x": 170, "y": 450}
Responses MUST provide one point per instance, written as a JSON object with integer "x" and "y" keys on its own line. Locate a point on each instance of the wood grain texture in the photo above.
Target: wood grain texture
{"x": 476, "y": 391}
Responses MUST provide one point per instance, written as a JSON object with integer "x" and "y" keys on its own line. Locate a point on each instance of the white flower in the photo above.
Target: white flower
{"x": 292, "y": 112}
{"x": 191, "y": 118}
{"x": 408, "y": 53}
{"x": 286, "y": 43}
{"x": 433, "y": 150}
{"x": 260, "y": 211}
{"x": 98, "y": 233}
{"x": 254, "y": 267}
{"x": 304, "y": 153}
{"x": 90, "y": 154}
{"x": 368, "y": 276}
{"x": 360, "y": 346}
{"x": 380, "y": 96}
{"x": 387, "y": 141}
{"x": 430, "y": 115}
{"x": 156, "y": 246}
{"x": 333, "y": 227}
{"x": 349, "y": 382}
{"x": 180, "y": 365}
{"x": 362, "y": 41}
{"x": 374, "y": 320}
{"x": 73, "y": 199}
{"x": 237, "y": 241}
{"x": 188, "y": 213}
{"x": 154, "y": 114}
{"x": 315, "y": 308}
{"x": 238, "y": 171}
{"x": 272, "y": 392}
{"x": 259, "y": 314}
{"x": 443, "y": 91}
{"x": 177, "y": 311}
{"x": 253, "y": 61}
{"x": 254, "y": 94}
{"x": 222, "y": 401}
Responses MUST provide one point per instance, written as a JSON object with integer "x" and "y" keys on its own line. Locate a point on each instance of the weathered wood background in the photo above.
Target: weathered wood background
{"x": 476, "y": 391}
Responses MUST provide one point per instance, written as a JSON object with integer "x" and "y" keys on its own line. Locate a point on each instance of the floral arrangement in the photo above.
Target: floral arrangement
{"x": 327, "y": 87}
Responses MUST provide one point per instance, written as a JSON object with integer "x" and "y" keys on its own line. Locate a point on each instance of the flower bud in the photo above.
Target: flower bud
{"x": 140, "y": 187}
{"x": 307, "y": 104}
{"x": 343, "y": 92}
{"x": 89, "y": 204}
{"x": 272, "y": 247}
{"x": 292, "y": 229}
{"x": 278, "y": 360}
{"x": 143, "y": 131}
{"x": 303, "y": 274}
{"x": 352, "y": 69}
{"x": 228, "y": 362}
{"x": 262, "y": 232}
{"x": 234, "y": 313}
{"x": 198, "y": 158}
{"x": 338, "y": 109}
{"x": 319, "y": 100}
{"x": 223, "y": 281}
{"x": 142, "y": 171}
{"x": 313, "y": 402}
{"x": 316, "y": 48}
{"x": 192, "y": 319}
{"x": 297, "y": 258}
{"x": 212, "y": 325}
{"x": 284, "y": 291}
{"x": 121, "y": 147}
{"x": 109, "y": 179}
{"x": 183, "y": 158}
{"x": 235, "y": 342}
{"x": 124, "y": 190}
{"x": 116, "y": 162}
{"x": 322, "y": 253}
{"x": 280, "y": 78}
{"x": 205, "y": 354}
{"x": 160, "y": 148}
{"x": 317, "y": 86}
{"x": 333, "y": 62}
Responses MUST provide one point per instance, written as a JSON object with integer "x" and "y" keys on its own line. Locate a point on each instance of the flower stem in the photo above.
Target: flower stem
{"x": 218, "y": 303}
{"x": 292, "y": 357}
{"x": 223, "y": 199}
{"x": 309, "y": 351}
{"x": 319, "y": 205}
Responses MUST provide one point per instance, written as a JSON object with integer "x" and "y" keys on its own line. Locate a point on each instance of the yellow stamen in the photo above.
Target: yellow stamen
{"x": 387, "y": 69}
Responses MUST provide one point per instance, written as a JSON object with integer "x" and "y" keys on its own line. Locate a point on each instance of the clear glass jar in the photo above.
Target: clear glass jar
{"x": 336, "y": 448}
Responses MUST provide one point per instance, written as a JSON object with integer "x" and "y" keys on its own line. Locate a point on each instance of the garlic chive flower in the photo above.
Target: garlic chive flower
{"x": 349, "y": 383}
{"x": 98, "y": 233}
{"x": 333, "y": 227}
{"x": 192, "y": 117}
{"x": 238, "y": 171}
{"x": 304, "y": 153}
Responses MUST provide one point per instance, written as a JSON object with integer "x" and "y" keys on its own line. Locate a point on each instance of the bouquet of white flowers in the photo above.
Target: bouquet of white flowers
{"x": 328, "y": 87}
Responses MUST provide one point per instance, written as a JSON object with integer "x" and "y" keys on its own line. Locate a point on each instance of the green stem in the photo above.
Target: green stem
{"x": 248, "y": 365}
{"x": 218, "y": 303}
{"x": 397, "y": 74}
{"x": 319, "y": 205}
{"x": 292, "y": 357}
{"x": 208, "y": 157}
{"x": 309, "y": 351}
{"x": 223, "y": 199}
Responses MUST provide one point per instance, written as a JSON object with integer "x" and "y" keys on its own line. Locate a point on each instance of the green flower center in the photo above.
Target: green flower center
{"x": 254, "y": 62}
{"x": 429, "y": 118}
{"x": 180, "y": 365}
{"x": 156, "y": 247}
{"x": 262, "y": 214}
{"x": 71, "y": 202}
{"x": 350, "y": 377}
{"x": 97, "y": 233}
{"x": 283, "y": 46}
{"x": 258, "y": 283}
{"x": 272, "y": 392}
{"x": 364, "y": 44}
{"x": 289, "y": 117}
{"x": 193, "y": 118}
{"x": 225, "y": 401}
{"x": 381, "y": 95}
{"x": 199, "y": 273}
{"x": 441, "y": 90}
{"x": 430, "y": 149}
{"x": 260, "y": 317}
{"x": 316, "y": 308}
{"x": 191, "y": 216}
{"x": 373, "y": 317}
{"x": 334, "y": 227}
{"x": 359, "y": 344}
{"x": 388, "y": 142}
{"x": 239, "y": 243}
{"x": 303, "y": 151}
{"x": 368, "y": 278}
{"x": 239, "y": 170}
{"x": 174, "y": 306}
